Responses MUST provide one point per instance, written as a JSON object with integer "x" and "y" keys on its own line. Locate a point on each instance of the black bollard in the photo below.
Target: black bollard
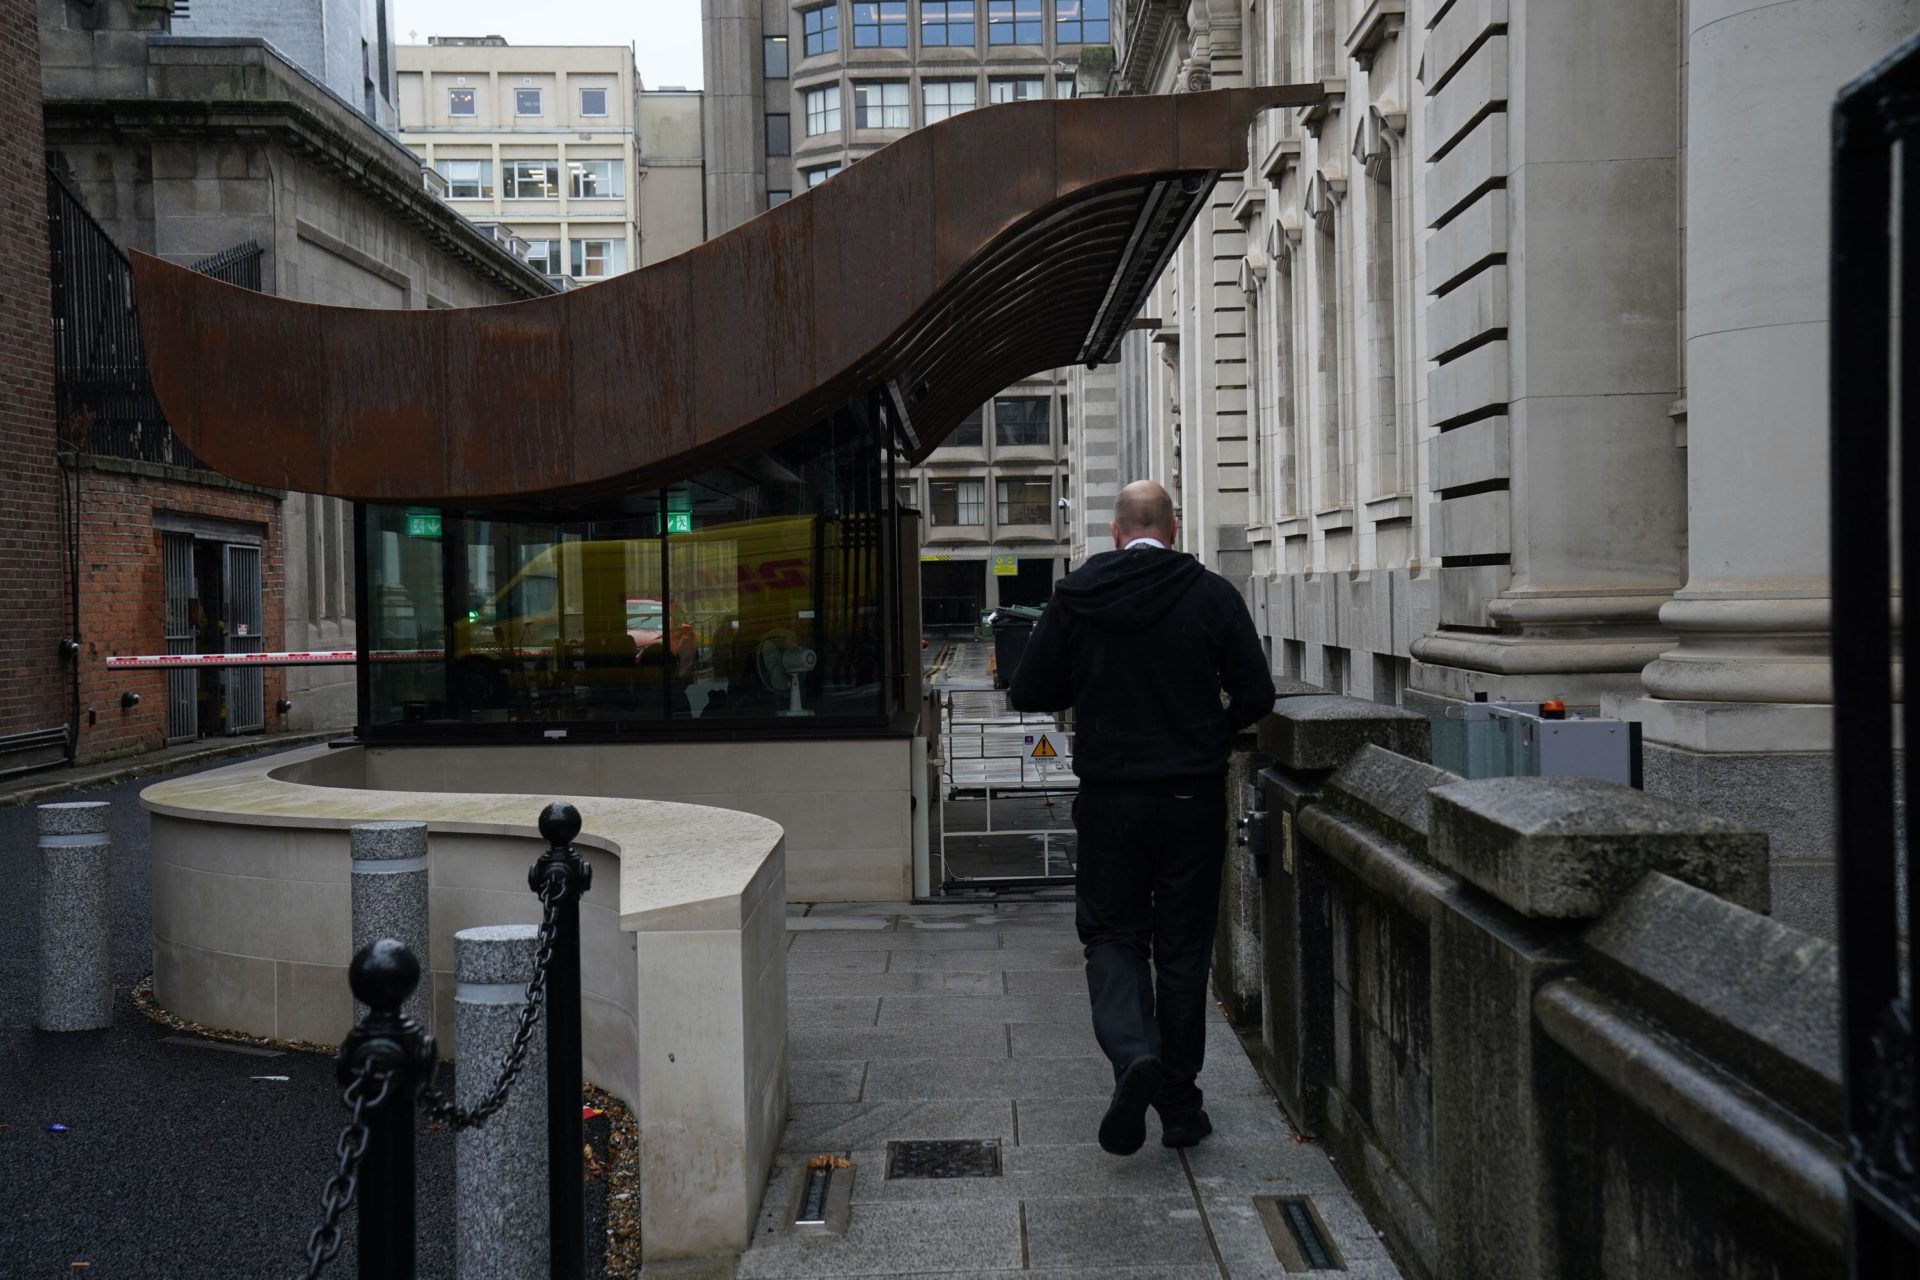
{"x": 566, "y": 1133}
{"x": 383, "y": 975}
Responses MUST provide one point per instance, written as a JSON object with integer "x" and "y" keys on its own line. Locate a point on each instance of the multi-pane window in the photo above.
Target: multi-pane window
{"x": 1081, "y": 21}
{"x": 957, "y": 503}
{"x": 818, "y": 175}
{"x": 881, "y": 104}
{"x": 461, "y": 103}
{"x": 1020, "y": 90}
{"x": 880, "y": 26}
{"x": 596, "y": 179}
{"x": 526, "y": 102}
{"x": 467, "y": 179}
{"x": 594, "y": 259}
{"x": 1064, "y": 87}
{"x": 968, "y": 435}
{"x": 1027, "y": 501}
{"x": 779, "y": 134}
{"x": 531, "y": 179}
{"x": 773, "y": 57}
{"x": 946, "y": 23}
{"x": 1020, "y": 422}
{"x": 1014, "y": 21}
{"x": 821, "y": 29}
{"x": 544, "y": 256}
{"x": 775, "y": 196}
{"x": 823, "y": 110}
{"x": 593, "y": 102}
{"x": 942, "y": 98}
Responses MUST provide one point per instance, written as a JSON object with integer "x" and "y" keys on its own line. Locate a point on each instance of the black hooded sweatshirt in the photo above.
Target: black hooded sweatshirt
{"x": 1143, "y": 644}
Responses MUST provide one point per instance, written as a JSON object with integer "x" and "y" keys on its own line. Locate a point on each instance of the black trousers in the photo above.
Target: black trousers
{"x": 1147, "y": 889}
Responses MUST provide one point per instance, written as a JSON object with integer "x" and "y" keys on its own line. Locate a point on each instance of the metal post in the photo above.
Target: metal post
{"x": 563, "y": 867}
{"x": 390, "y": 895}
{"x": 387, "y": 1043}
{"x": 500, "y": 1167}
{"x": 76, "y": 942}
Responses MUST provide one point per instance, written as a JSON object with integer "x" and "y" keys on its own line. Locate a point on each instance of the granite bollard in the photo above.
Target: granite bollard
{"x": 500, "y": 1168}
{"x": 76, "y": 942}
{"x": 390, "y": 898}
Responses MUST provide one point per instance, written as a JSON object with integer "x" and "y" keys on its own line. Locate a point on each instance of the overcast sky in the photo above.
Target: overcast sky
{"x": 665, "y": 34}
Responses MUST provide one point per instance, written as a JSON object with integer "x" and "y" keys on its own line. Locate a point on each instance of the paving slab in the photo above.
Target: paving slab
{"x": 956, "y": 939}
{"x": 965, "y": 1040}
{"x": 826, "y": 1081}
{"x": 894, "y": 1238}
{"x": 822, "y": 1127}
{"x": 911, "y": 982}
{"x": 980, "y": 956}
{"x": 1002, "y": 1078}
{"x": 834, "y": 1011}
{"x": 812, "y": 961}
{"x": 1156, "y": 1230}
{"x": 1058, "y": 1011}
{"x": 1032, "y": 1173}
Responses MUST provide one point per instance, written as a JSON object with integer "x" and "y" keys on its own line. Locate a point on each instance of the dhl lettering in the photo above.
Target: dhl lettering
{"x": 780, "y": 575}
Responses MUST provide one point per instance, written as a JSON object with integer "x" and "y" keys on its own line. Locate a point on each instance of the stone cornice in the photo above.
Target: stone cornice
{"x": 1381, "y": 21}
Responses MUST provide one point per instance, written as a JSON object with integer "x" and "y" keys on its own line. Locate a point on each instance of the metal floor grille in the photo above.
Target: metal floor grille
{"x": 960, "y": 1158}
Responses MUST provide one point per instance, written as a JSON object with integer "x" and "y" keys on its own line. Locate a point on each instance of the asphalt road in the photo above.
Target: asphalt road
{"x": 176, "y": 1161}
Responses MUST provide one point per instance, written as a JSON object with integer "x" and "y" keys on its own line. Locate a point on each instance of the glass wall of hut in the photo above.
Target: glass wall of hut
{"x": 759, "y": 599}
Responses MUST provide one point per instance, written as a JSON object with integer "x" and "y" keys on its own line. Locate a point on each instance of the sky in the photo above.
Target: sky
{"x": 665, "y": 34}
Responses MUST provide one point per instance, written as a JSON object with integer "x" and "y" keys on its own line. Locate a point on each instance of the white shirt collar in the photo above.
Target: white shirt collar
{"x": 1145, "y": 542}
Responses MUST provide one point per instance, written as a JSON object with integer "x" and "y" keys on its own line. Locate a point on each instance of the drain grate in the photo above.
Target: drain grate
{"x": 1299, "y": 1237}
{"x": 955, "y": 1158}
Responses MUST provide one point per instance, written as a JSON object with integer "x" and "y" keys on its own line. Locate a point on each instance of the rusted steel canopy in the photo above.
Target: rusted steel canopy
{"x": 970, "y": 254}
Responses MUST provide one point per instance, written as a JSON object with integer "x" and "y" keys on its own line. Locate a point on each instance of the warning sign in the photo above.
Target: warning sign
{"x": 1046, "y": 750}
{"x": 1043, "y": 750}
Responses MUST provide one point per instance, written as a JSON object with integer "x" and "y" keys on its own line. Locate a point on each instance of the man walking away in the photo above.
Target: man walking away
{"x": 1161, "y": 665}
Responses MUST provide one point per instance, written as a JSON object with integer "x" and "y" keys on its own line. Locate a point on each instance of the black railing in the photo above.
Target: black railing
{"x": 103, "y": 395}
{"x": 1876, "y": 127}
{"x": 386, "y": 1065}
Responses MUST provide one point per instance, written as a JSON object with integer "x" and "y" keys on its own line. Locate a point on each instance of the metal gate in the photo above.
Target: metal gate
{"x": 1006, "y": 821}
{"x": 183, "y": 709}
{"x": 244, "y": 689}
{"x": 1876, "y": 126}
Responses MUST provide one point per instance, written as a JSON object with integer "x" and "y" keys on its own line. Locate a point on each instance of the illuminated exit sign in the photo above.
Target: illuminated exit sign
{"x": 423, "y": 524}
{"x": 679, "y": 522}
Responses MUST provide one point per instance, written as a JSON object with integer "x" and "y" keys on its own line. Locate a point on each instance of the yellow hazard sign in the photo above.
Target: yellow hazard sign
{"x": 1043, "y": 749}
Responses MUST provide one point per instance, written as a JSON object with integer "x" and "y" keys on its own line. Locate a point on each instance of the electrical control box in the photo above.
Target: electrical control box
{"x": 1527, "y": 740}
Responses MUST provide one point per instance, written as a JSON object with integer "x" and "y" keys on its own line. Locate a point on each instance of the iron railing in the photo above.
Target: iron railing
{"x": 1876, "y": 125}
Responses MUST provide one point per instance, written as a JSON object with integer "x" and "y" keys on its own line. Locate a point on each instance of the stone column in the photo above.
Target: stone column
{"x": 390, "y": 898}
{"x": 733, "y": 132}
{"x": 76, "y": 940}
{"x": 500, "y": 1168}
{"x": 1737, "y": 714}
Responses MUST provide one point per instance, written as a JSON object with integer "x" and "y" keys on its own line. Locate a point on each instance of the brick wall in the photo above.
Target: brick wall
{"x": 33, "y": 685}
{"x": 123, "y": 593}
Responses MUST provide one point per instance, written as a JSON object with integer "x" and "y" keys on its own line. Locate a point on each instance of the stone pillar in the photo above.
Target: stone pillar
{"x": 76, "y": 938}
{"x": 1737, "y": 715}
{"x": 732, "y": 128}
{"x": 500, "y": 1168}
{"x": 390, "y": 898}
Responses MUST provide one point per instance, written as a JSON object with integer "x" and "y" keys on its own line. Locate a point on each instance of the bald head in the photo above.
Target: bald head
{"x": 1144, "y": 510}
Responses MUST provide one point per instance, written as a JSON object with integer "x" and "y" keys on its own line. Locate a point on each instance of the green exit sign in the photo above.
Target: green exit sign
{"x": 423, "y": 524}
{"x": 679, "y": 522}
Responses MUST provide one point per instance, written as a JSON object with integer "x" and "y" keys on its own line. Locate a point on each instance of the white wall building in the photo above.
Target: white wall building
{"x": 1503, "y": 371}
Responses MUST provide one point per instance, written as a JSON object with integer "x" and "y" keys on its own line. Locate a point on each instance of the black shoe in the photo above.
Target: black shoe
{"x": 1184, "y": 1133}
{"x": 1124, "y": 1128}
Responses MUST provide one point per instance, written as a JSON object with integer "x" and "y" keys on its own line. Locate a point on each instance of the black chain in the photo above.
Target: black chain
{"x": 324, "y": 1243}
{"x": 441, "y": 1107}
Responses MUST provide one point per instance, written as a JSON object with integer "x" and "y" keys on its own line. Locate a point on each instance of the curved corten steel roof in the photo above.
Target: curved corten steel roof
{"x": 986, "y": 248}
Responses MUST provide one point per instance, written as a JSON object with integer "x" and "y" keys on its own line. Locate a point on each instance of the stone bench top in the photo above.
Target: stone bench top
{"x": 682, "y": 866}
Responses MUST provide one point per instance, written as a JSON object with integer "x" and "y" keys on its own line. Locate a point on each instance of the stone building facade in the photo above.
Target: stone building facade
{"x": 798, "y": 91}
{"x": 1503, "y": 370}
{"x": 348, "y": 45}
{"x": 199, "y": 148}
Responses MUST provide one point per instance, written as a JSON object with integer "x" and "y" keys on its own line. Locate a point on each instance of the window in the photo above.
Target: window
{"x": 942, "y": 98}
{"x": 1016, "y": 90}
{"x": 1020, "y": 422}
{"x": 880, "y": 26}
{"x": 821, "y": 27}
{"x": 778, "y": 197}
{"x": 460, "y": 104}
{"x": 596, "y": 179}
{"x": 1066, "y": 424}
{"x": 532, "y": 179}
{"x": 467, "y": 179}
{"x": 594, "y": 259}
{"x": 967, "y": 435}
{"x": 544, "y": 256}
{"x": 1080, "y": 21}
{"x": 957, "y": 503}
{"x": 1064, "y": 87}
{"x": 1024, "y": 501}
{"x": 593, "y": 102}
{"x": 526, "y": 102}
{"x": 817, "y": 176}
{"x": 881, "y": 104}
{"x": 1014, "y": 21}
{"x": 823, "y": 110}
{"x": 780, "y": 135}
{"x": 946, "y": 22}
{"x": 773, "y": 57}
